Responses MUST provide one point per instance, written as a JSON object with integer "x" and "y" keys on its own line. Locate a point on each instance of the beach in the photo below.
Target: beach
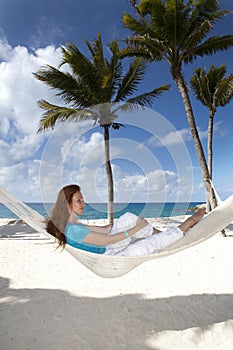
{"x": 51, "y": 301}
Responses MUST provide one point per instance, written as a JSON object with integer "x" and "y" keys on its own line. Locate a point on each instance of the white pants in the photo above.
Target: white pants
{"x": 147, "y": 244}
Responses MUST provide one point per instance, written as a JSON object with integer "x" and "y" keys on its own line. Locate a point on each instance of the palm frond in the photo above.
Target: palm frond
{"x": 54, "y": 113}
{"x": 215, "y": 76}
{"x": 151, "y": 22}
{"x": 201, "y": 89}
{"x": 90, "y": 47}
{"x": 112, "y": 78}
{"x": 55, "y": 78}
{"x": 80, "y": 65}
{"x": 67, "y": 86}
{"x": 71, "y": 89}
{"x": 144, "y": 46}
{"x": 126, "y": 107}
{"x": 134, "y": 52}
{"x": 211, "y": 88}
{"x": 175, "y": 30}
{"x": 131, "y": 80}
{"x": 72, "y": 56}
{"x": 196, "y": 36}
{"x": 209, "y": 47}
{"x": 95, "y": 81}
{"x": 113, "y": 72}
{"x": 98, "y": 57}
{"x": 147, "y": 98}
{"x": 138, "y": 26}
{"x": 204, "y": 10}
{"x": 224, "y": 92}
{"x": 175, "y": 18}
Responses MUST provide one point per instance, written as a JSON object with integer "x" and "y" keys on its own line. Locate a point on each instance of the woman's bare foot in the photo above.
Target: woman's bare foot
{"x": 192, "y": 220}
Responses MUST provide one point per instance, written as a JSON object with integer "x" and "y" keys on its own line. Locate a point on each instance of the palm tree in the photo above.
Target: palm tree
{"x": 91, "y": 91}
{"x": 213, "y": 89}
{"x": 176, "y": 31}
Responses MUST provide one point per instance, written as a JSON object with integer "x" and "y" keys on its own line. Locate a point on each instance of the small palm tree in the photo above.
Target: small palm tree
{"x": 90, "y": 91}
{"x": 176, "y": 31}
{"x": 213, "y": 89}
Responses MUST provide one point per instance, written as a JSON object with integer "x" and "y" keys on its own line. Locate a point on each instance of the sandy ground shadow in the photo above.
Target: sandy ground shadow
{"x": 50, "y": 319}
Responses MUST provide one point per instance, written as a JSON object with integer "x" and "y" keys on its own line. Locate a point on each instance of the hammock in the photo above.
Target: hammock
{"x": 115, "y": 266}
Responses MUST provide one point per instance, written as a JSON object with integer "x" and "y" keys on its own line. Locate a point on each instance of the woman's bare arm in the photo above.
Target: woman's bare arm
{"x": 105, "y": 230}
{"x": 103, "y": 239}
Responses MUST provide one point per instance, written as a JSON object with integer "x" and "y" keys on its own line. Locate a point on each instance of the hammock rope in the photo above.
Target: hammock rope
{"x": 115, "y": 266}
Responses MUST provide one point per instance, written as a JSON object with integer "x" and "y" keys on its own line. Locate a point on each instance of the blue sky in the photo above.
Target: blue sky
{"x": 153, "y": 157}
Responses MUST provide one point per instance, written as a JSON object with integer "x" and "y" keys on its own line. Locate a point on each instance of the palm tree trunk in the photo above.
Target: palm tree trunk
{"x": 210, "y": 156}
{"x": 210, "y": 145}
{"x": 182, "y": 87}
{"x": 210, "y": 152}
{"x": 109, "y": 175}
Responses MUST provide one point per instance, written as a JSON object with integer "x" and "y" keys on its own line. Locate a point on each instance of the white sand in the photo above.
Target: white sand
{"x": 50, "y": 301}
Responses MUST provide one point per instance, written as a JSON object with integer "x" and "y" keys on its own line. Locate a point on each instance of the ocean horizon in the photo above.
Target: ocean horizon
{"x": 94, "y": 211}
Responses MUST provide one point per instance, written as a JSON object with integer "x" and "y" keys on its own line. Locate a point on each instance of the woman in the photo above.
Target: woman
{"x": 65, "y": 226}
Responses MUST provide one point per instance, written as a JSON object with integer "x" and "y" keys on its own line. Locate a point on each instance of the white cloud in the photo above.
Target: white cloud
{"x": 22, "y": 179}
{"x": 220, "y": 129}
{"x": 5, "y": 48}
{"x": 84, "y": 151}
{"x": 19, "y": 93}
{"x": 156, "y": 186}
{"x": 20, "y": 115}
{"x": 179, "y": 137}
{"x": 172, "y": 138}
{"x": 49, "y": 31}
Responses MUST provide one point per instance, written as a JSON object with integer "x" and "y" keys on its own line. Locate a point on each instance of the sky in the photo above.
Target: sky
{"x": 153, "y": 157}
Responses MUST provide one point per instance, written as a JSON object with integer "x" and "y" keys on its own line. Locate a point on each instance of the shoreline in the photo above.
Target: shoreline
{"x": 49, "y": 300}
{"x": 98, "y": 210}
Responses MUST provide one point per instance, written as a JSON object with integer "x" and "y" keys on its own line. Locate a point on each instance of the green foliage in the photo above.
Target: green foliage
{"x": 213, "y": 89}
{"x": 92, "y": 81}
{"x": 175, "y": 30}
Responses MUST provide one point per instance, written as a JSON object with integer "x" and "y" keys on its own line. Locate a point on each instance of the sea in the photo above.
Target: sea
{"x": 95, "y": 211}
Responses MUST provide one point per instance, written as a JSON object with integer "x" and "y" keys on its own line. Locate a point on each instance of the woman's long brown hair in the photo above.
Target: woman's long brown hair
{"x": 60, "y": 213}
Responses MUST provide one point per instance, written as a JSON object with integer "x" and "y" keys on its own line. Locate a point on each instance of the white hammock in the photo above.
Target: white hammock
{"x": 115, "y": 266}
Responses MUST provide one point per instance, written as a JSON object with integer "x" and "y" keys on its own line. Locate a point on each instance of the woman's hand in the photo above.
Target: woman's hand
{"x": 141, "y": 223}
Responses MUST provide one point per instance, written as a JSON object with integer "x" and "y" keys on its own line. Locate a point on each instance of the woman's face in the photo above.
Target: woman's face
{"x": 77, "y": 204}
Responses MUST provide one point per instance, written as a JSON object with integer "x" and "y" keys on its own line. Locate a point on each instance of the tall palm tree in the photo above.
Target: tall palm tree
{"x": 92, "y": 90}
{"x": 176, "y": 31}
{"x": 213, "y": 89}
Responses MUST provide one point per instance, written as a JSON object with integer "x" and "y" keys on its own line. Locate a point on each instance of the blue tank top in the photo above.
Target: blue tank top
{"x": 75, "y": 234}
